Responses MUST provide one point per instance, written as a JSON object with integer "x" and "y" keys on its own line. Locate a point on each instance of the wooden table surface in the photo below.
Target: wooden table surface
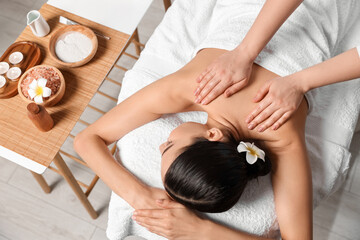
{"x": 17, "y": 132}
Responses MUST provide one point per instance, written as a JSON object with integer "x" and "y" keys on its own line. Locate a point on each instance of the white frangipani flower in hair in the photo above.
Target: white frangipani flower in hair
{"x": 252, "y": 152}
{"x": 37, "y": 90}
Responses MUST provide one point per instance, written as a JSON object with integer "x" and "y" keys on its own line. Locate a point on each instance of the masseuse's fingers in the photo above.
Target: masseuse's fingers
{"x": 203, "y": 74}
{"x": 235, "y": 88}
{"x": 208, "y": 91}
{"x": 281, "y": 121}
{"x": 262, "y": 91}
{"x": 215, "y": 92}
{"x": 262, "y": 116}
{"x": 154, "y": 229}
{"x": 262, "y": 105}
{"x": 202, "y": 85}
{"x": 165, "y": 203}
{"x": 271, "y": 120}
{"x": 150, "y": 213}
{"x": 156, "y": 222}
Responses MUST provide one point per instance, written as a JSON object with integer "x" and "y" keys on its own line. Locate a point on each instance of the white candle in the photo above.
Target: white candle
{"x": 4, "y": 67}
{"x": 2, "y": 81}
{"x": 16, "y": 57}
{"x": 13, "y": 73}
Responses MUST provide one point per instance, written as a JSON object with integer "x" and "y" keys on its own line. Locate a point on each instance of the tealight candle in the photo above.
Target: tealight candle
{"x": 2, "y": 84}
{"x": 16, "y": 57}
{"x": 13, "y": 73}
{"x": 4, "y": 67}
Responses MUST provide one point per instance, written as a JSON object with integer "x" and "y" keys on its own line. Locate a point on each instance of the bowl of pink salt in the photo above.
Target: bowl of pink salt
{"x": 42, "y": 84}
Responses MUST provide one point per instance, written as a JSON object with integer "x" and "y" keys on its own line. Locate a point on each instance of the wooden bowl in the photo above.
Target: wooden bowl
{"x": 73, "y": 28}
{"x": 54, "y": 98}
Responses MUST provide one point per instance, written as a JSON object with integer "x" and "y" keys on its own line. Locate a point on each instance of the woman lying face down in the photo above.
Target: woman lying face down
{"x": 202, "y": 168}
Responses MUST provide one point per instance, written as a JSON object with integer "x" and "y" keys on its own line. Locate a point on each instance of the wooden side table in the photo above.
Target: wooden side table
{"x": 21, "y": 142}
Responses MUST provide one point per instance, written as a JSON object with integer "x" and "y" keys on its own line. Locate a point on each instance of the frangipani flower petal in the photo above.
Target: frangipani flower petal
{"x": 242, "y": 147}
{"x": 252, "y": 152}
{"x": 261, "y": 154}
{"x": 41, "y": 82}
{"x": 38, "y": 99}
{"x": 46, "y": 92}
{"x": 31, "y": 93}
{"x": 33, "y": 84}
{"x": 250, "y": 158}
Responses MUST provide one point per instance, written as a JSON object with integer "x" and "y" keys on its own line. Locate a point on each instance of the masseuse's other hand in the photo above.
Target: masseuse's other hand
{"x": 172, "y": 221}
{"x": 278, "y": 100}
{"x": 227, "y": 74}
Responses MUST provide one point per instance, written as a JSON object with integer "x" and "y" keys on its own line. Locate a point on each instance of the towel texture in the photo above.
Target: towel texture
{"x": 329, "y": 127}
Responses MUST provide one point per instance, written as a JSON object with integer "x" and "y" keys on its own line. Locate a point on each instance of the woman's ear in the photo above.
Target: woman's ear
{"x": 214, "y": 134}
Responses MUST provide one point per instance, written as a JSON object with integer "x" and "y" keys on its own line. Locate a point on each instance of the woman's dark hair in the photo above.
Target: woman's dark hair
{"x": 211, "y": 176}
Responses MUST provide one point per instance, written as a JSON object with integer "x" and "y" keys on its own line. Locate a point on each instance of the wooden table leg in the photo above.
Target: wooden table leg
{"x": 65, "y": 171}
{"x": 41, "y": 180}
{"x": 136, "y": 38}
{"x": 167, "y": 4}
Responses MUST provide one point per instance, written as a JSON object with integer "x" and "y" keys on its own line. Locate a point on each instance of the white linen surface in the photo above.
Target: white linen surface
{"x": 329, "y": 128}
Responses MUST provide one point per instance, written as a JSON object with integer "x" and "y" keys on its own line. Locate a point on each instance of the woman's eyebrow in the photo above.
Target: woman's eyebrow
{"x": 167, "y": 149}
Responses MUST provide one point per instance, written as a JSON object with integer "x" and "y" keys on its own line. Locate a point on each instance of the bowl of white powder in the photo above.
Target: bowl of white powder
{"x": 73, "y": 46}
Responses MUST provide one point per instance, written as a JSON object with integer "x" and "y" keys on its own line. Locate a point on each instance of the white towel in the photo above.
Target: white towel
{"x": 329, "y": 127}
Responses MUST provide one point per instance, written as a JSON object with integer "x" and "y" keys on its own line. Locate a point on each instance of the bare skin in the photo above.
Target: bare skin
{"x": 291, "y": 176}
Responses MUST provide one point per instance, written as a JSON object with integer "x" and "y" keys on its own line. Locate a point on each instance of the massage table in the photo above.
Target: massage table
{"x": 330, "y": 127}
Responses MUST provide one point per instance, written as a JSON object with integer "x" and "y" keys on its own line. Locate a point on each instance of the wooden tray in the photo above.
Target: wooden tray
{"x": 32, "y": 57}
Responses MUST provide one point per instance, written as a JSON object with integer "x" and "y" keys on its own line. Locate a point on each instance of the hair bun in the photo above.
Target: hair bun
{"x": 259, "y": 168}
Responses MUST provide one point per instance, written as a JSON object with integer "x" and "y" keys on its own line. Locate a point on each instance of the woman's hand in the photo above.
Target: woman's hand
{"x": 146, "y": 199}
{"x": 172, "y": 221}
{"x": 229, "y": 73}
{"x": 279, "y": 98}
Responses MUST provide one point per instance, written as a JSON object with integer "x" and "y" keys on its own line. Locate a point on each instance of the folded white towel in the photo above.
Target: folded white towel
{"x": 329, "y": 127}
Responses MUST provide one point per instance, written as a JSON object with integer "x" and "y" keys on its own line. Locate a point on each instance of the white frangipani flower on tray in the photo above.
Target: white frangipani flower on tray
{"x": 37, "y": 90}
{"x": 252, "y": 152}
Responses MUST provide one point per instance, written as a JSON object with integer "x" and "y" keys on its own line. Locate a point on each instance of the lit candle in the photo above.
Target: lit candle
{"x": 16, "y": 57}
{"x": 4, "y": 67}
{"x": 13, "y": 73}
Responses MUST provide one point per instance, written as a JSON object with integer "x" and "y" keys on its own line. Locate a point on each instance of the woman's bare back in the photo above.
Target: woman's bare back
{"x": 233, "y": 110}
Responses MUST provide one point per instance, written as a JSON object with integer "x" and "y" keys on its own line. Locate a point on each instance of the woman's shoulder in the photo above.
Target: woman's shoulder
{"x": 291, "y": 134}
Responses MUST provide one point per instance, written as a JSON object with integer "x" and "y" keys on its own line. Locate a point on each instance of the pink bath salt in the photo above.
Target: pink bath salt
{"x": 52, "y": 77}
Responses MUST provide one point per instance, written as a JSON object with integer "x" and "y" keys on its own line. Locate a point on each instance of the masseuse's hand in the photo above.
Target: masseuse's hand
{"x": 146, "y": 199}
{"x": 172, "y": 221}
{"x": 227, "y": 74}
{"x": 278, "y": 100}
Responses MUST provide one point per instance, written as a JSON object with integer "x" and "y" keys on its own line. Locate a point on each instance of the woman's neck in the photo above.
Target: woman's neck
{"x": 225, "y": 125}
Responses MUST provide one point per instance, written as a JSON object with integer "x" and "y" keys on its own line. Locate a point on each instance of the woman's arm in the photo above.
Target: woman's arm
{"x": 292, "y": 185}
{"x": 144, "y": 106}
{"x": 231, "y": 71}
{"x": 176, "y": 222}
{"x": 280, "y": 97}
{"x": 291, "y": 178}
